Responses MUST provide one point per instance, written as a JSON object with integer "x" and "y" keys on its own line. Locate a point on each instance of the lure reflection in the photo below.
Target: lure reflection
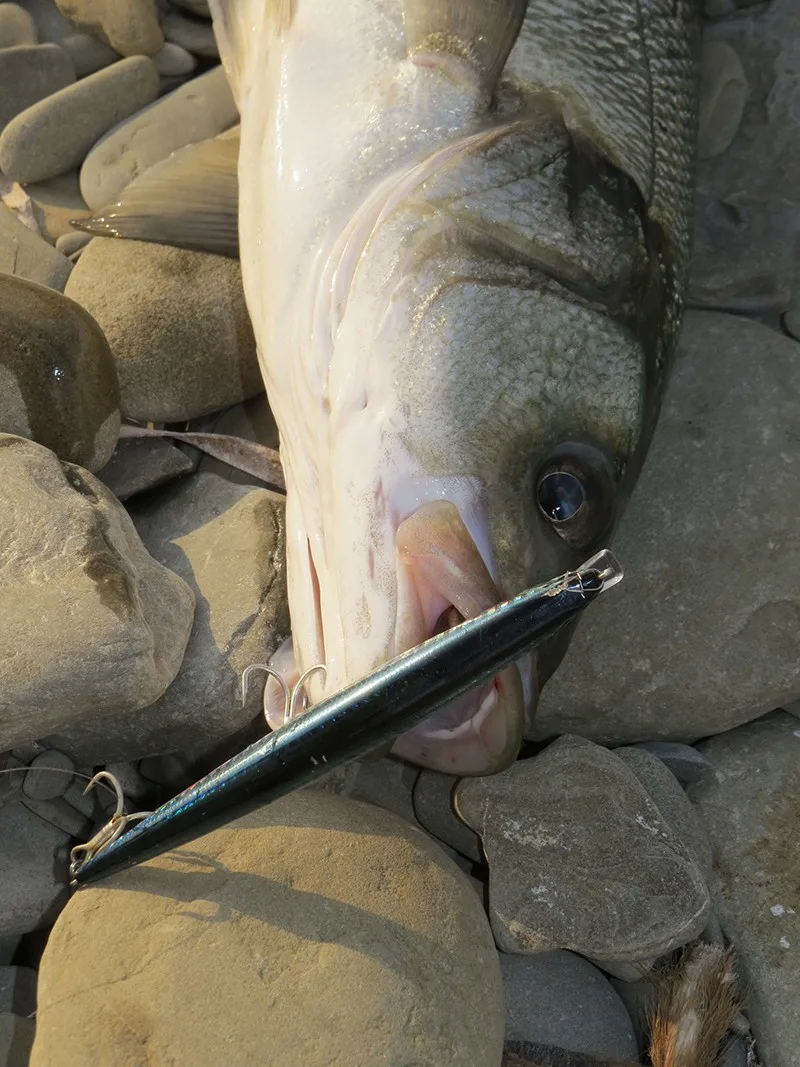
{"x": 360, "y": 718}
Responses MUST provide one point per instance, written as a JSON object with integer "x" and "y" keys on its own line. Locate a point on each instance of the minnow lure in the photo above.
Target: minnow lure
{"x": 358, "y": 719}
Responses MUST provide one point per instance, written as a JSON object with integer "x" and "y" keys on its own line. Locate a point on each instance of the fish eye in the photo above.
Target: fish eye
{"x": 575, "y": 494}
{"x": 560, "y": 496}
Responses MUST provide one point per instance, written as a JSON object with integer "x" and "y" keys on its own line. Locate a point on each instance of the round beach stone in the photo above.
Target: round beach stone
{"x": 200, "y": 109}
{"x": 28, "y": 74}
{"x": 49, "y": 776}
{"x": 51, "y": 26}
{"x": 316, "y": 931}
{"x": 192, "y": 34}
{"x": 88, "y": 54}
{"x": 130, "y": 27}
{"x": 90, "y": 622}
{"x": 173, "y": 61}
{"x": 16, "y": 26}
{"x": 23, "y": 254}
{"x": 723, "y": 93}
{"x": 177, "y": 324}
{"x": 53, "y": 136}
{"x": 56, "y": 203}
{"x": 59, "y": 383}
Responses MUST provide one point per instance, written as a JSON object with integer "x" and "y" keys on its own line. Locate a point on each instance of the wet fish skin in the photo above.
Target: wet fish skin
{"x": 459, "y": 286}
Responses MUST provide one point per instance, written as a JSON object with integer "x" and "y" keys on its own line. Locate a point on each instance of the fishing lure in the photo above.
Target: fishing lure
{"x": 357, "y": 720}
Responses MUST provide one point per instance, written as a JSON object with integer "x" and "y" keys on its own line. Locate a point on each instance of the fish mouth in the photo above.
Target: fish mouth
{"x": 442, "y": 579}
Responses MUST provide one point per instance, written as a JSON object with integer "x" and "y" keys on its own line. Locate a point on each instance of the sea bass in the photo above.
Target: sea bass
{"x": 464, "y": 233}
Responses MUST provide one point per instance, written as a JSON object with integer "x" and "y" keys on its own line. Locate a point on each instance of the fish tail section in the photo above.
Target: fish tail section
{"x": 480, "y": 33}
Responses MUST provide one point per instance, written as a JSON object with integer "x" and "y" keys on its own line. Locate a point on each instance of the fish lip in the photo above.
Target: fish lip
{"x": 461, "y": 725}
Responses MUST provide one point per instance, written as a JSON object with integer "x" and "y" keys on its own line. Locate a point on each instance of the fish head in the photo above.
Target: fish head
{"x": 484, "y": 415}
{"x": 463, "y": 314}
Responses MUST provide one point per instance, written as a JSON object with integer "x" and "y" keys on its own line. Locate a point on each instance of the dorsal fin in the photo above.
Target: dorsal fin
{"x": 480, "y": 32}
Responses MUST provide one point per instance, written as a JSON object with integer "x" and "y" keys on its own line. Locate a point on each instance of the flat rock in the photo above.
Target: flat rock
{"x": 49, "y": 776}
{"x": 177, "y": 324}
{"x": 23, "y": 254}
{"x": 33, "y": 888}
{"x": 686, "y": 763}
{"x": 386, "y": 782}
{"x": 88, "y": 54}
{"x": 300, "y": 904}
{"x": 202, "y": 108}
{"x": 130, "y": 27}
{"x": 195, "y": 35}
{"x": 17, "y": 27}
{"x": 55, "y": 204}
{"x": 227, "y": 542}
{"x": 433, "y": 806}
{"x": 16, "y": 1040}
{"x": 742, "y": 253}
{"x": 681, "y": 650}
{"x": 723, "y": 92}
{"x": 141, "y": 464}
{"x": 194, "y": 7}
{"x": 90, "y": 621}
{"x": 560, "y": 999}
{"x": 17, "y": 990}
{"x": 54, "y": 136}
{"x": 763, "y": 159}
{"x": 71, "y": 244}
{"x": 635, "y": 892}
{"x": 676, "y": 809}
{"x": 173, "y": 61}
{"x": 51, "y": 26}
{"x": 29, "y": 73}
{"x": 59, "y": 383}
{"x": 752, "y": 812}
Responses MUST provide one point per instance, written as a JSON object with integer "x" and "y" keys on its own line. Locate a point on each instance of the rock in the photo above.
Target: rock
{"x": 752, "y": 812}
{"x": 686, "y": 763}
{"x": 634, "y": 893}
{"x": 30, "y": 73}
{"x": 49, "y": 776}
{"x": 88, "y": 54}
{"x": 203, "y": 108}
{"x": 764, "y": 158}
{"x": 25, "y": 255}
{"x": 91, "y": 623}
{"x": 17, "y": 27}
{"x": 681, "y": 650}
{"x": 195, "y": 36}
{"x": 130, "y": 27}
{"x": 18, "y": 990}
{"x": 141, "y": 464}
{"x": 723, "y": 92}
{"x": 743, "y": 253}
{"x": 676, "y": 809}
{"x": 433, "y": 806}
{"x": 301, "y": 903}
{"x": 387, "y": 783}
{"x": 51, "y": 26}
{"x": 134, "y": 786}
{"x": 194, "y": 7}
{"x": 173, "y": 61}
{"x": 56, "y": 203}
{"x": 53, "y": 136}
{"x": 719, "y": 9}
{"x": 558, "y": 998}
{"x": 59, "y": 383}
{"x": 177, "y": 324}
{"x": 70, "y": 243}
{"x": 36, "y": 853}
{"x": 173, "y": 771}
{"x": 16, "y": 1040}
{"x": 227, "y": 542}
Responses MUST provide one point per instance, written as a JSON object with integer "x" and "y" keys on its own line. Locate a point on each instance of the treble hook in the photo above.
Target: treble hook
{"x": 108, "y": 832}
{"x": 290, "y": 696}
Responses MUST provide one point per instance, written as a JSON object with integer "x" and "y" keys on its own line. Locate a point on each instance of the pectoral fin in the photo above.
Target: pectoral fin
{"x": 190, "y": 200}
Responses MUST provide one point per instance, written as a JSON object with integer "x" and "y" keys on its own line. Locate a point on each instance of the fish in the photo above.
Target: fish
{"x": 464, "y": 231}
